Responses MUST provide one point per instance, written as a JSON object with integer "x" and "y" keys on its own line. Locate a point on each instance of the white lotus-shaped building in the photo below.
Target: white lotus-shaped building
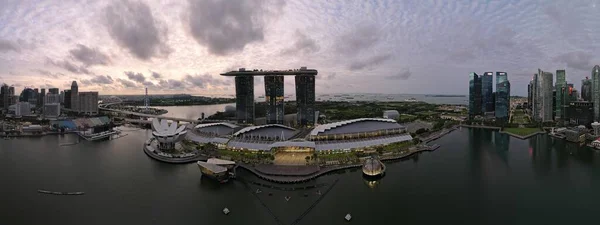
{"x": 167, "y": 135}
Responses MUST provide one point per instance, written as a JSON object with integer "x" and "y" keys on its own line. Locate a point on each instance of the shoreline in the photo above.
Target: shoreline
{"x": 193, "y": 159}
{"x": 504, "y": 132}
{"x": 300, "y": 179}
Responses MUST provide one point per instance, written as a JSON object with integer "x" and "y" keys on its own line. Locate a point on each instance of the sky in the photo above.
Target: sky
{"x": 366, "y": 46}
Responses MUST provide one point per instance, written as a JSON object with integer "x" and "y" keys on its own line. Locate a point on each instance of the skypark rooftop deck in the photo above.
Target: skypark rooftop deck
{"x": 256, "y": 72}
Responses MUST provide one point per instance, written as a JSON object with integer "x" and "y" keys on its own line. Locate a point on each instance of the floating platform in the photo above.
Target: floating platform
{"x": 60, "y": 193}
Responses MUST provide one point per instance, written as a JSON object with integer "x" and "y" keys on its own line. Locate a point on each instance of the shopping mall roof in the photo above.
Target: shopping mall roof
{"x": 269, "y": 130}
{"x": 217, "y": 128}
{"x": 203, "y": 139}
{"x": 304, "y": 144}
{"x": 341, "y": 145}
{"x": 253, "y": 145}
{"x": 356, "y": 126}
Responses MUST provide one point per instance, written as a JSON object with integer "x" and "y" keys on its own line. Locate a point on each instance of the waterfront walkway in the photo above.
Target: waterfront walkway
{"x": 326, "y": 170}
{"x": 193, "y": 159}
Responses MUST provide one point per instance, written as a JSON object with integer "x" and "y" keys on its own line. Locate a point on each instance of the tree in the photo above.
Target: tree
{"x": 307, "y": 158}
{"x": 379, "y": 149}
{"x": 416, "y": 141}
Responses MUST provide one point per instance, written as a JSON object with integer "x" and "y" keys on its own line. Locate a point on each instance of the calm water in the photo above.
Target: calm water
{"x": 476, "y": 177}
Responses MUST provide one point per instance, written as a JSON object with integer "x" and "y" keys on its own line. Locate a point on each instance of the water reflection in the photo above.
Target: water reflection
{"x": 372, "y": 182}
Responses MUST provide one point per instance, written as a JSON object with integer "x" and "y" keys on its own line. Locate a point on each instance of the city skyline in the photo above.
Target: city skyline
{"x": 366, "y": 46}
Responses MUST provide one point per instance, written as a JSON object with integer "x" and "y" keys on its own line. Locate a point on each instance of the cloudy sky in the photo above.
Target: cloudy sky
{"x": 395, "y": 46}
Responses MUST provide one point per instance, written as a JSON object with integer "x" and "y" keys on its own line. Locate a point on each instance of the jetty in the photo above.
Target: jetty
{"x": 60, "y": 193}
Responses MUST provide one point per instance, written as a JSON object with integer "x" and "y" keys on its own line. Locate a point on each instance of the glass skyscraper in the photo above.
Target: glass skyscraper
{"x": 474, "y": 95}
{"x": 560, "y": 87}
{"x": 487, "y": 88}
{"x": 502, "y": 96}
{"x": 586, "y": 89}
{"x": 547, "y": 104}
{"x": 274, "y": 98}
{"x": 244, "y": 99}
{"x": 596, "y": 91}
{"x": 305, "y": 100}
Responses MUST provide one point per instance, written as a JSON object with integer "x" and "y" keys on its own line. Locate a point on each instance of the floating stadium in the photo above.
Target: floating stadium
{"x": 291, "y": 145}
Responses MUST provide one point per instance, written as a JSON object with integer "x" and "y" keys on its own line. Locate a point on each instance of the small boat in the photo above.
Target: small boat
{"x": 348, "y": 217}
{"x": 270, "y": 194}
{"x": 226, "y": 211}
{"x": 258, "y": 191}
{"x": 305, "y": 194}
{"x": 319, "y": 192}
{"x": 287, "y": 198}
{"x": 410, "y": 100}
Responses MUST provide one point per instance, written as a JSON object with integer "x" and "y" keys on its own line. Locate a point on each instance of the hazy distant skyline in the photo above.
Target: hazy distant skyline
{"x": 420, "y": 47}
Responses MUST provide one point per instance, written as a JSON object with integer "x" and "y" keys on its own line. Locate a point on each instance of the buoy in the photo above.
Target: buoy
{"x": 226, "y": 211}
{"x": 348, "y": 217}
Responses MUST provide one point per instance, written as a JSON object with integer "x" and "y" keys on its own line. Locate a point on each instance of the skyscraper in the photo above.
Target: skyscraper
{"x": 502, "y": 96}
{"x": 596, "y": 91}
{"x": 560, "y": 87}
{"x": 305, "y": 100}
{"x": 4, "y": 97}
{"x": 546, "y": 88}
{"x": 586, "y": 89}
{"x": 487, "y": 88}
{"x": 474, "y": 95}
{"x": 535, "y": 106}
{"x": 67, "y": 99}
{"x": 244, "y": 99}
{"x": 274, "y": 98}
{"x": 74, "y": 96}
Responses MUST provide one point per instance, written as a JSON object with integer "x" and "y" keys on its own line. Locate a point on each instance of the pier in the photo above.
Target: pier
{"x": 60, "y": 193}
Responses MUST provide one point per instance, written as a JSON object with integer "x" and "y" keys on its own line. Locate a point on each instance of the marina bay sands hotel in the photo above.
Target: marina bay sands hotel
{"x": 274, "y": 96}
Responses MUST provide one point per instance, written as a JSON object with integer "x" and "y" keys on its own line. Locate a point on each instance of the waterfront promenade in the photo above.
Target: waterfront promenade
{"x": 326, "y": 170}
{"x": 193, "y": 159}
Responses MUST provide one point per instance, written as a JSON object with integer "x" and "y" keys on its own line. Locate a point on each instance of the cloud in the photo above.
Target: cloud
{"x": 12, "y": 73}
{"x": 354, "y": 41}
{"x": 576, "y": 60}
{"x": 48, "y": 73}
{"x": 156, "y": 75}
{"x": 303, "y": 44}
{"x": 402, "y": 75}
{"x": 203, "y": 81}
{"x": 370, "y": 62}
{"x": 98, "y": 80}
{"x": 67, "y": 65}
{"x": 225, "y": 27}
{"x": 89, "y": 56}
{"x": 132, "y": 25}
{"x": 329, "y": 76}
{"x": 171, "y": 84}
{"x": 127, "y": 83}
{"x": 137, "y": 77}
{"x": 6, "y": 45}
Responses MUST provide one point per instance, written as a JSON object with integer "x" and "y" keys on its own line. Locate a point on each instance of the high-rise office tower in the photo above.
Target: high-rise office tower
{"x": 67, "y": 99}
{"x": 502, "y": 96}
{"x": 53, "y": 91}
{"x": 41, "y": 97}
{"x": 74, "y": 96}
{"x": 474, "y": 95}
{"x": 546, "y": 88}
{"x": 487, "y": 87}
{"x": 88, "y": 102}
{"x": 4, "y": 96}
{"x": 534, "y": 98}
{"x": 596, "y": 91}
{"x": 274, "y": 98}
{"x": 560, "y": 87}
{"x": 305, "y": 100}
{"x": 244, "y": 99}
{"x": 586, "y": 89}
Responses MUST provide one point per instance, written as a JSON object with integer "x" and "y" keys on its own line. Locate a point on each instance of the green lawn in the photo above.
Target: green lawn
{"x": 521, "y": 131}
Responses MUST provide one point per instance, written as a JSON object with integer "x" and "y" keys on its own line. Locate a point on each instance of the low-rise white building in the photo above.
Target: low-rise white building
{"x": 391, "y": 114}
{"x": 23, "y": 109}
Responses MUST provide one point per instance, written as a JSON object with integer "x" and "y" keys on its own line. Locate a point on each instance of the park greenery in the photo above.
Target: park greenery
{"x": 521, "y": 131}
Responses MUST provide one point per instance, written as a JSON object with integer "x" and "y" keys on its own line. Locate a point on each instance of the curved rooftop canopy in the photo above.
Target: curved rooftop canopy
{"x": 356, "y": 126}
{"x": 217, "y": 128}
{"x": 212, "y": 167}
{"x": 269, "y": 130}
